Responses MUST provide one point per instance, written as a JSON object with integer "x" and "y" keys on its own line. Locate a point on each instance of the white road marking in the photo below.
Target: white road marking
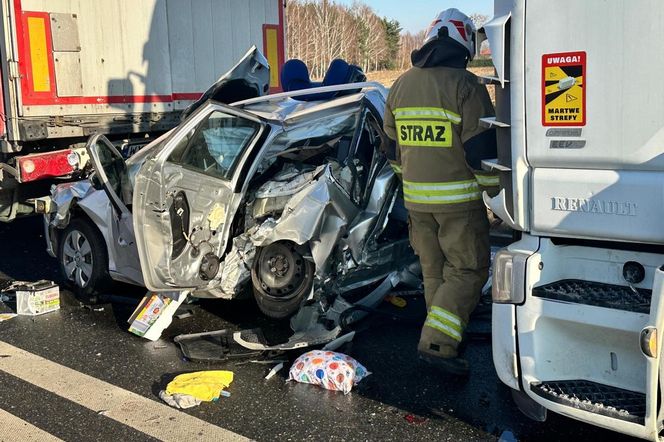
{"x": 13, "y": 428}
{"x": 147, "y": 416}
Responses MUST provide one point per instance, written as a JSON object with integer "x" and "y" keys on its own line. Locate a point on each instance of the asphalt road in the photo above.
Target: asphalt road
{"x": 401, "y": 399}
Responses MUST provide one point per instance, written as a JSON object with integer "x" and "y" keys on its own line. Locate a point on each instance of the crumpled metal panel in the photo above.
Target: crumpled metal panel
{"x": 290, "y": 180}
{"x": 273, "y": 196}
{"x": 234, "y": 271}
{"x": 320, "y": 213}
{"x": 63, "y": 195}
{"x": 376, "y": 208}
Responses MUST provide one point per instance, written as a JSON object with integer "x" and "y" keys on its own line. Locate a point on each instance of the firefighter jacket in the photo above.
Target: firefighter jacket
{"x": 430, "y": 113}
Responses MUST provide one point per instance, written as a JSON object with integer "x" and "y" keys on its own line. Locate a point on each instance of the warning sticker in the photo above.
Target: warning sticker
{"x": 564, "y": 89}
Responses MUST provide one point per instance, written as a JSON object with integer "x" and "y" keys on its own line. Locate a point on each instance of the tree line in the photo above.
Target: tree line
{"x": 318, "y": 31}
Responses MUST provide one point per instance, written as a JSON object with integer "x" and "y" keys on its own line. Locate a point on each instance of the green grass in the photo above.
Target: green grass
{"x": 480, "y": 63}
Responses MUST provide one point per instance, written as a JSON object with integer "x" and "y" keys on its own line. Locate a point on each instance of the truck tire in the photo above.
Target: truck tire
{"x": 281, "y": 278}
{"x": 83, "y": 258}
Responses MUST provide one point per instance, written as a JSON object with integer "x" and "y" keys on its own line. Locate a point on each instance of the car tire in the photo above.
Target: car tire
{"x": 281, "y": 279}
{"x": 83, "y": 258}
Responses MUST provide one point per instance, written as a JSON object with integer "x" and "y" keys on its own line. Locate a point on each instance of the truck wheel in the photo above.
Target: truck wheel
{"x": 83, "y": 258}
{"x": 282, "y": 278}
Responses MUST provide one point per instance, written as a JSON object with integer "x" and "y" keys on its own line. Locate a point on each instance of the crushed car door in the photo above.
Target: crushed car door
{"x": 111, "y": 173}
{"x": 187, "y": 193}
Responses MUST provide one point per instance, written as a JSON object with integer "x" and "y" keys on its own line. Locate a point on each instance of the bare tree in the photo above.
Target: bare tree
{"x": 409, "y": 42}
{"x": 321, "y": 30}
{"x": 479, "y": 19}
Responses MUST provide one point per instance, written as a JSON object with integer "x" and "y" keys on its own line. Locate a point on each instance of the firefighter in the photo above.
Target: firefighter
{"x": 436, "y": 145}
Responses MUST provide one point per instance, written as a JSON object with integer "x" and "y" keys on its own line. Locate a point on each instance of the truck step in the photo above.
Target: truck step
{"x": 597, "y": 294}
{"x": 596, "y": 398}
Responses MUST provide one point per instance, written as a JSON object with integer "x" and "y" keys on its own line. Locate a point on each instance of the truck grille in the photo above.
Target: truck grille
{"x": 596, "y": 398}
{"x": 597, "y": 294}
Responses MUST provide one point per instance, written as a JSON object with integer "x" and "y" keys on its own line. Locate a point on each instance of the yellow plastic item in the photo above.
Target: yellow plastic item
{"x": 396, "y": 301}
{"x": 203, "y": 385}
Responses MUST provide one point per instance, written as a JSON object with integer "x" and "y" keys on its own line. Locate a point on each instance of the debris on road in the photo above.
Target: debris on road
{"x": 396, "y": 301}
{"x": 179, "y": 400}
{"x": 154, "y": 314}
{"x": 413, "y": 419}
{"x": 7, "y": 316}
{"x": 185, "y": 314}
{"x": 317, "y": 334}
{"x": 507, "y": 436}
{"x": 276, "y": 369}
{"x": 211, "y": 346}
{"x": 341, "y": 340}
{"x": 190, "y": 389}
{"x": 35, "y": 298}
{"x": 260, "y": 362}
{"x": 328, "y": 369}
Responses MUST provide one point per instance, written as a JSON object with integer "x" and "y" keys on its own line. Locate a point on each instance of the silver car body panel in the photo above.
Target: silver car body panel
{"x": 123, "y": 263}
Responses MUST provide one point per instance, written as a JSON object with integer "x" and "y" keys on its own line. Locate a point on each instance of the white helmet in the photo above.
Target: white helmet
{"x": 460, "y": 28}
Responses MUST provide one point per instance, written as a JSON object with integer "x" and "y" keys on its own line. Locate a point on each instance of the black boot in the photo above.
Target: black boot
{"x": 455, "y": 366}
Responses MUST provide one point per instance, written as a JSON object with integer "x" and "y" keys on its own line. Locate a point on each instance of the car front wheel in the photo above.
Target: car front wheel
{"x": 82, "y": 257}
{"x": 281, "y": 278}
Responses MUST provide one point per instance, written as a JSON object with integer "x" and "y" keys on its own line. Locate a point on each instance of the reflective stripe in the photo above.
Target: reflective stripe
{"x": 443, "y": 328}
{"x": 456, "y": 199}
{"x": 439, "y": 312}
{"x": 450, "y": 185}
{"x": 487, "y": 180}
{"x": 419, "y": 112}
{"x": 396, "y": 168}
{"x": 441, "y": 193}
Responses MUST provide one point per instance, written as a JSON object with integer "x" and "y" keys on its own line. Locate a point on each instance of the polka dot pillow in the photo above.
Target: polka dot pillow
{"x": 330, "y": 370}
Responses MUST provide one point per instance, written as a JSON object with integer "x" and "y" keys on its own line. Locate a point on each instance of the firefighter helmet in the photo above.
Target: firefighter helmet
{"x": 459, "y": 26}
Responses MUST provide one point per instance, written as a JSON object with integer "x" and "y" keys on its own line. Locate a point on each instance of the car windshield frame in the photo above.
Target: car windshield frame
{"x": 205, "y": 138}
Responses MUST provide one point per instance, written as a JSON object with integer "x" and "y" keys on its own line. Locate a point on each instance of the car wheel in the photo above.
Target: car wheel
{"x": 281, "y": 278}
{"x": 83, "y": 258}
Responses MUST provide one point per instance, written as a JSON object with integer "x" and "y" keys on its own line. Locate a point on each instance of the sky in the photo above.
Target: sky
{"x": 415, "y": 15}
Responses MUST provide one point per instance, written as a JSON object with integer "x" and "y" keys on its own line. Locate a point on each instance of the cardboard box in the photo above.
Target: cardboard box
{"x": 37, "y": 298}
{"x": 154, "y": 314}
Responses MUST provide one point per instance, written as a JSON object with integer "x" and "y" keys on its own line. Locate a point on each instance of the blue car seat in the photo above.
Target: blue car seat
{"x": 295, "y": 77}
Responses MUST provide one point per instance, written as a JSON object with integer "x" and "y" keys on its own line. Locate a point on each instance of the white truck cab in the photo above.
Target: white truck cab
{"x": 579, "y": 298}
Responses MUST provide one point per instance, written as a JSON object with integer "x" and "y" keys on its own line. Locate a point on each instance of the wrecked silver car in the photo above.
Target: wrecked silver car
{"x": 289, "y": 200}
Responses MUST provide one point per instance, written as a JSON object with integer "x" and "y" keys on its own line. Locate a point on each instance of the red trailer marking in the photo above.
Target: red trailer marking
{"x": 273, "y": 49}
{"x": 36, "y": 88}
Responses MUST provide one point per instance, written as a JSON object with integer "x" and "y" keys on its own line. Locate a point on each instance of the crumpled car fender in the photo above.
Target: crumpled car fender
{"x": 319, "y": 214}
{"x": 64, "y": 196}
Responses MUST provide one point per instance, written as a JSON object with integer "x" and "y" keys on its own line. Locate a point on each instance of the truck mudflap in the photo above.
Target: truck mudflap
{"x": 529, "y": 407}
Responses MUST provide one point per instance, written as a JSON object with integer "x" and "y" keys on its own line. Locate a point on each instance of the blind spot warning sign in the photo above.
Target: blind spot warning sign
{"x": 564, "y": 89}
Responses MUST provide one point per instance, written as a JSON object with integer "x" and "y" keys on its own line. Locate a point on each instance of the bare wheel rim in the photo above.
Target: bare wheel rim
{"x": 281, "y": 271}
{"x": 77, "y": 258}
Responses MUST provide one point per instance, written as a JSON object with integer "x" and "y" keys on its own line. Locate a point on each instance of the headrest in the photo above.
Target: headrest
{"x": 295, "y": 76}
{"x": 337, "y": 73}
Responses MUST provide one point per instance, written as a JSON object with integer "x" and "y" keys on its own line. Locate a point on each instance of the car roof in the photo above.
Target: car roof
{"x": 285, "y": 107}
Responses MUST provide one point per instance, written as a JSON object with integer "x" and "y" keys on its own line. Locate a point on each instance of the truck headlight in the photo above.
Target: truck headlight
{"x": 509, "y": 277}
